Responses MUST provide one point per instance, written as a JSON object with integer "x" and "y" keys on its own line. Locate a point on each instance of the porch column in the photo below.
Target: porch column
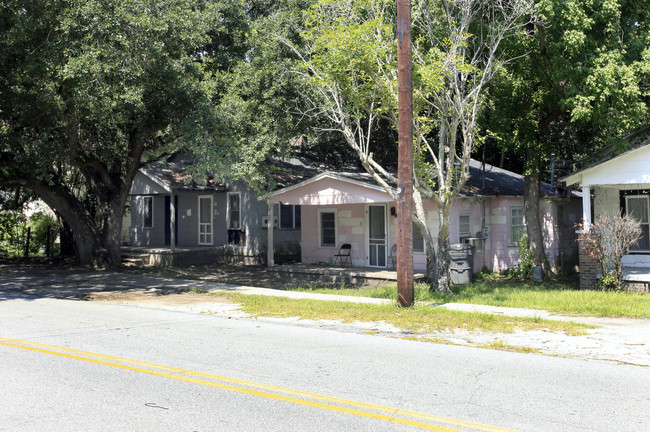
{"x": 172, "y": 221}
{"x": 269, "y": 232}
{"x": 586, "y": 207}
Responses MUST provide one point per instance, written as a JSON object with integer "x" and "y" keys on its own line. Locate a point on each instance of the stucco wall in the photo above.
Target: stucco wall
{"x": 497, "y": 252}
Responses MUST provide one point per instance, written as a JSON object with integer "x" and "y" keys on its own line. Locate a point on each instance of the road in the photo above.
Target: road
{"x": 73, "y": 365}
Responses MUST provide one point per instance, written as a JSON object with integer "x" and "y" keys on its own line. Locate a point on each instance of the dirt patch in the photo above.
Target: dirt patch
{"x": 155, "y": 297}
{"x": 234, "y": 274}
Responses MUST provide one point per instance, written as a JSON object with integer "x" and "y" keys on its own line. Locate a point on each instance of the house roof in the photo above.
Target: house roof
{"x": 485, "y": 180}
{"x": 638, "y": 144}
{"x": 173, "y": 176}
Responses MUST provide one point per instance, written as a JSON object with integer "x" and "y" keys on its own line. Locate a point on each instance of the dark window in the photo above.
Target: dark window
{"x": 234, "y": 221}
{"x": 289, "y": 216}
{"x": 418, "y": 240}
{"x": 147, "y": 221}
{"x": 327, "y": 229}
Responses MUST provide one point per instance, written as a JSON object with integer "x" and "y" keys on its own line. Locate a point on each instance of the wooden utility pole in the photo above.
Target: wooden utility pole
{"x": 405, "y": 157}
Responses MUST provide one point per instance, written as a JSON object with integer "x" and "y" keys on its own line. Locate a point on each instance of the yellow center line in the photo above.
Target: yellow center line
{"x": 394, "y": 411}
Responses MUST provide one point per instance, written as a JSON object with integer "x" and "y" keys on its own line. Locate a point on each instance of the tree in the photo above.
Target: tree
{"x": 582, "y": 84}
{"x": 87, "y": 89}
{"x": 349, "y": 67}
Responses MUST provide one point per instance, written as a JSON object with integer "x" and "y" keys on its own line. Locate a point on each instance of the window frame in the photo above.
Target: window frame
{"x": 468, "y": 233}
{"x": 512, "y": 241}
{"x": 424, "y": 244}
{"x": 320, "y": 227}
{"x": 148, "y": 198}
{"x": 294, "y": 208}
{"x": 646, "y": 198}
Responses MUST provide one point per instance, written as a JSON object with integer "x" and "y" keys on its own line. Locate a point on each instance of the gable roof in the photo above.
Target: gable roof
{"x": 337, "y": 187}
{"x": 629, "y": 167}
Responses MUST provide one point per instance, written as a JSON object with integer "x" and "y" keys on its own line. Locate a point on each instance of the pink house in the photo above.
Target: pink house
{"x": 339, "y": 208}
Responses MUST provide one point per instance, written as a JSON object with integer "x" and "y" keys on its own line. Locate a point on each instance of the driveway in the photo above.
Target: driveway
{"x": 615, "y": 340}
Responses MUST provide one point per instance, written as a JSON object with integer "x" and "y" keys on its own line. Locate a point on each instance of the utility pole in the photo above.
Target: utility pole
{"x": 405, "y": 157}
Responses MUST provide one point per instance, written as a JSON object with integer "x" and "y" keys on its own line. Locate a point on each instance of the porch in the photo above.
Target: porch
{"x": 185, "y": 256}
{"x": 340, "y": 275}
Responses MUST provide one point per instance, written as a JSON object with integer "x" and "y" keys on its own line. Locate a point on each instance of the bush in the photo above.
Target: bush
{"x": 607, "y": 241}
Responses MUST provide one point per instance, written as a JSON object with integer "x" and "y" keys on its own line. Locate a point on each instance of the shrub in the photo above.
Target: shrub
{"x": 607, "y": 241}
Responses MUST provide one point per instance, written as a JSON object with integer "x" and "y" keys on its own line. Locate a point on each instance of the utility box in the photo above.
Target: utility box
{"x": 462, "y": 263}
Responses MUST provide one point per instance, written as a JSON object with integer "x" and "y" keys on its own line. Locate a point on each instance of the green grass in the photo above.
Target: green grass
{"x": 418, "y": 319}
{"x": 555, "y": 294}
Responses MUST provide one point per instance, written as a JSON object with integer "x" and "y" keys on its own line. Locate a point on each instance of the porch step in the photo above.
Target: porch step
{"x": 139, "y": 260}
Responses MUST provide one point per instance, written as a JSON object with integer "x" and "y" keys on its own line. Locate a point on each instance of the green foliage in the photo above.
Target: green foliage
{"x": 89, "y": 88}
{"x": 525, "y": 255}
{"x": 12, "y": 234}
{"x": 44, "y": 230}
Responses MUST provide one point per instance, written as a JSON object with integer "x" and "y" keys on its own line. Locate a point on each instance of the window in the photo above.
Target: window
{"x": 464, "y": 227}
{"x": 637, "y": 207}
{"x": 234, "y": 210}
{"x": 562, "y": 216}
{"x": 326, "y": 228}
{"x": 289, "y": 216}
{"x": 236, "y": 234}
{"x": 205, "y": 219}
{"x": 418, "y": 240}
{"x": 517, "y": 224}
{"x": 147, "y": 212}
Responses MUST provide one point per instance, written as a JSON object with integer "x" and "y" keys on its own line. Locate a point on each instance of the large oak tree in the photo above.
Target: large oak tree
{"x": 88, "y": 87}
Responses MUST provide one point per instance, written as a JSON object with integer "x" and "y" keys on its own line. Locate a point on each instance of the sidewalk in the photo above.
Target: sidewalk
{"x": 620, "y": 340}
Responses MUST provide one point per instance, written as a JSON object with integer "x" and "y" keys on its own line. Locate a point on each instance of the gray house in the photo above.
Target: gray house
{"x": 175, "y": 221}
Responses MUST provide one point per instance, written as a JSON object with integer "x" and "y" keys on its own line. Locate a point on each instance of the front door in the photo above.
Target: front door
{"x": 377, "y": 235}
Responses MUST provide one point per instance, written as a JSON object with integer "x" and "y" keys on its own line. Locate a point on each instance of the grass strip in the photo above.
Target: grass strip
{"x": 556, "y": 295}
{"x": 418, "y": 319}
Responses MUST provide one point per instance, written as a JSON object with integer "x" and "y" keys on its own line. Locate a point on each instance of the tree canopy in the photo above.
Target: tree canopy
{"x": 89, "y": 87}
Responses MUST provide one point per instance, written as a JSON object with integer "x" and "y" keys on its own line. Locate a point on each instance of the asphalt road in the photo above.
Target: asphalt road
{"x": 71, "y": 365}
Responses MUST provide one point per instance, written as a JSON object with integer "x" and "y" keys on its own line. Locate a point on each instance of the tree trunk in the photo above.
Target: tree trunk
{"x": 531, "y": 211}
{"x": 442, "y": 282}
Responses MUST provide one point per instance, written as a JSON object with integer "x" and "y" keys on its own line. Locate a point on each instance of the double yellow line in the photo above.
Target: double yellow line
{"x": 315, "y": 400}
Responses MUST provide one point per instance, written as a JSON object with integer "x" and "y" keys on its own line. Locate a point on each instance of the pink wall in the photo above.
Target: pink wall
{"x": 350, "y": 220}
{"x": 496, "y": 252}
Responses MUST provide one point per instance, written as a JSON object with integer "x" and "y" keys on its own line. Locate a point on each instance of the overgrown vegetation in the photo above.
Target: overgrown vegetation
{"x": 418, "y": 319}
{"x": 22, "y": 237}
{"x": 557, "y": 294}
{"x": 607, "y": 241}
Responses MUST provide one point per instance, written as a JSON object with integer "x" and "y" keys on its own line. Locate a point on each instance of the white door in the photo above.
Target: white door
{"x": 205, "y": 219}
{"x": 377, "y": 240}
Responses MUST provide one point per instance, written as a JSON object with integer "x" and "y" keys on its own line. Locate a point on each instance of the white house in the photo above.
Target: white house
{"x": 619, "y": 183}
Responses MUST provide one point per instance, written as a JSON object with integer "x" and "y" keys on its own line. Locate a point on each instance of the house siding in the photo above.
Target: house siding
{"x": 496, "y": 252}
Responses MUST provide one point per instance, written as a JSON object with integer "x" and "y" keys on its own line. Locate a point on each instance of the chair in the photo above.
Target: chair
{"x": 392, "y": 258}
{"x": 343, "y": 255}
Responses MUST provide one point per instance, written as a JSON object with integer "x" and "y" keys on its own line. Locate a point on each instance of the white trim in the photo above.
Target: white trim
{"x": 647, "y": 222}
{"x": 511, "y": 241}
{"x": 209, "y": 236}
{"x": 386, "y": 238}
{"x": 327, "y": 175}
{"x": 293, "y": 216}
{"x": 154, "y": 179}
{"x": 336, "y": 227}
{"x": 576, "y": 177}
{"x": 144, "y": 212}
{"x": 469, "y": 233}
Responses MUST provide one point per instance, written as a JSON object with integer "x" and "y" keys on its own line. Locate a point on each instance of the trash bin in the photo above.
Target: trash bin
{"x": 462, "y": 263}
